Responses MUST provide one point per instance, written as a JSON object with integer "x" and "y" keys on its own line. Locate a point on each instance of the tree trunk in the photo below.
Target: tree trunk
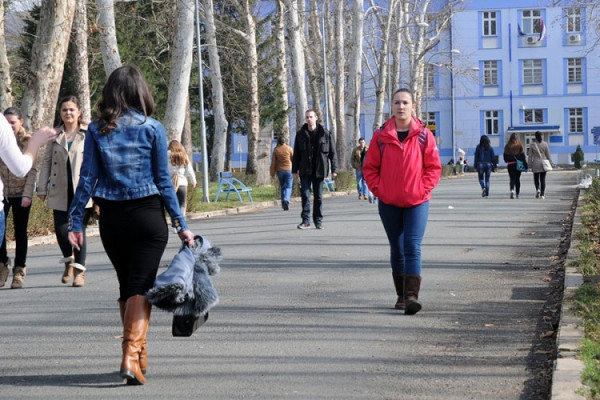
{"x": 220, "y": 134}
{"x": 48, "y": 56}
{"x": 253, "y": 132}
{"x": 331, "y": 121}
{"x": 313, "y": 54}
{"x": 181, "y": 68}
{"x": 340, "y": 85}
{"x": 5, "y": 83}
{"x": 355, "y": 73}
{"x": 79, "y": 57}
{"x": 282, "y": 64}
{"x": 297, "y": 61}
{"x": 263, "y": 159}
{"x": 108, "y": 36}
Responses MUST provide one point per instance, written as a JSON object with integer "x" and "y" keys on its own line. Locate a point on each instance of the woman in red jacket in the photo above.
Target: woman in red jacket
{"x": 401, "y": 168}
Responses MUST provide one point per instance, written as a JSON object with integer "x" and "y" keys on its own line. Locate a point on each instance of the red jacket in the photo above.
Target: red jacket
{"x": 402, "y": 174}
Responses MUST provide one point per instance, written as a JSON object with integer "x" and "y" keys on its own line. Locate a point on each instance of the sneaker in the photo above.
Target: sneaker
{"x": 304, "y": 225}
{"x": 319, "y": 226}
{"x": 370, "y": 200}
{"x": 512, "y": 194}
{"x": 482, "y": 192}
{"x": 285, "y": 205}
{"x": 537, "y": 194}
{"x": 517, "y": 196}
{"x": 18, "y": 277}
{"x": 542, "y": 197}
{"x": 360, "y": 196}
{"x": 3, "y": 273}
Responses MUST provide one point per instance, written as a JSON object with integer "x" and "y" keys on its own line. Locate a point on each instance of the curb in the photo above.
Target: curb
{"x": 566, "y": 377}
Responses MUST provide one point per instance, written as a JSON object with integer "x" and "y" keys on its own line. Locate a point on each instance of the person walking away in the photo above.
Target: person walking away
{"x": 19, "y": 163}
{"x": 314, "y": 150}
{"x": 513, "y": 152}
{"x": 402, "y": 167}
{"x": 485, "y": 163}
{"x": 281, "y": 164}
{"x": 180, "y": 169}
{"x": 18, "y": 192}
{"x": 356, "y": 160}
{"x": 58, "y": 178}
{"x": 125, "y": 169}
{"x": 538, "y": 152}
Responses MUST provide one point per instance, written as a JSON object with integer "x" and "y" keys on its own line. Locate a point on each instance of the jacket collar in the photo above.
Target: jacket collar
{"x": 389, "y": 129}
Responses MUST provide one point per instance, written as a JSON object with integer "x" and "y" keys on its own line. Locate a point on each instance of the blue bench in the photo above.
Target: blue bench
{"x": 228, "y": 184}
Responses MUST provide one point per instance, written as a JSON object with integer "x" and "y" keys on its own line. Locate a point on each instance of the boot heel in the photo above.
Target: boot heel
{"x": 130, "y": 377}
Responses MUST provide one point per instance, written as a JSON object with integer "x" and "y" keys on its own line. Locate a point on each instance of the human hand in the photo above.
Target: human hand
{"x": 76, "y": 239}
{"x": 187, "y": 237}
{"x": 42, "y": 197}
{"x": 334, "y": 175}
{"x": 43, "y": 136}
{"x": 25, "y": 202}
{"x": 295, "y": 175}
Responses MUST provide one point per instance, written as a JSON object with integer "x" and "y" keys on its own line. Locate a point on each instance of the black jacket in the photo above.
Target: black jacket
{"x": 302, "y": 162}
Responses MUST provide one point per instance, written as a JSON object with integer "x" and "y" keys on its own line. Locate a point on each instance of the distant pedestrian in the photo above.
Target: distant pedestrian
{"x": 180, "y": 169}
{"x": 356, "y": 159}
{"x": 314, "y": 150}
{"x": 402, "y": 167}
{"x": 538, "y": 152}
{"x": 125, "y": 169}
{"x": 18, "y": 159}
{"x": 514, "y": 156}
{"x": 485, "y": 163}
{"x": 281, "y": 164}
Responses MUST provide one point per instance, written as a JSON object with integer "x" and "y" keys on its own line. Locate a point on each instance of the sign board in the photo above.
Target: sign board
{"x": 239, "y": 147}
{"x": 596, "y": 134}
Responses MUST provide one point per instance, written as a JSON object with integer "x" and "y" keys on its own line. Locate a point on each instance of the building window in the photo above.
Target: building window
{"x": 532, "y": 21}
{"x": 573, "y": 19}
{"x": 533, "y": 116}
{"x": 428, "y": 119}
{"x": 490, "y": 73}
{"x": 492, "y": 123}
{"x": 489, "y": 23}
{"x": 532, "y": 72}
{"x": 574, "y": 70}
{"x": 429, "y": 79}
{"x": 575, "y": 120}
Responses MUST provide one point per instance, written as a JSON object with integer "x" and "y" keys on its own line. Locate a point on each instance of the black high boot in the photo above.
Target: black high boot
{"x": 412, "y": 285}
{"x": 399, "y": 284}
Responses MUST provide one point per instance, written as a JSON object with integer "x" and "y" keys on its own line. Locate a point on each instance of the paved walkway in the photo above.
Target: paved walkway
{"x": 308, "y": 314}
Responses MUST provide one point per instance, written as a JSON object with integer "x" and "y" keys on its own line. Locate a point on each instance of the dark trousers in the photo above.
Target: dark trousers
{"x": 20, "y": 221}
{"x": 61, "y": 229}
{"x": 182, "y": 197}
{"x": 134, "y": 234}
{"x": 317, "y": 187}
{"x": 515, "y": 178}
{"x": 539, "y": 180}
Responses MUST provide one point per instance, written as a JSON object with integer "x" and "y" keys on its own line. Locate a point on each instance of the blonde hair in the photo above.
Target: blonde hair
{"x": 178, "y": 154}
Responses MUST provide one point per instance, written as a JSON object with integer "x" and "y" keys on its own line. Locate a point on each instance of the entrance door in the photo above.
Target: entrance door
{"x": 528, "y": 140}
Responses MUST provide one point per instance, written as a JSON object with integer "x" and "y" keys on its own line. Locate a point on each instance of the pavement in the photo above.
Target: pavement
{"x": 308, "y": 314}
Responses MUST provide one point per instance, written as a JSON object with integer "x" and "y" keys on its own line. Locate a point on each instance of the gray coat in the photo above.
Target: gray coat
{"x": 533, "y": 157}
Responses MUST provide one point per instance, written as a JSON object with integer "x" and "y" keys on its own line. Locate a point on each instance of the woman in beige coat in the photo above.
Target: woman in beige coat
{"x": 538, "y": 151}
{"x": 59, "y": 174}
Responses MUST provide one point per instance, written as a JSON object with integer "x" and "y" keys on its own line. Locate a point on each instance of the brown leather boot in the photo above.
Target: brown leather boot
{"x": 78, "y": 275}
{"x": 4, "y": 271}
{"x": 135, "y": 325}
{"x": 412, "y": 285}
{"x": 399, "y": 284}
{"x": 144, "y": 352}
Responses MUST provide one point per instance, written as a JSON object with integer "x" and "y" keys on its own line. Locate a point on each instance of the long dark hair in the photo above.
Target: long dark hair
{"x": 513, "y": 147}
{"x": 484, "y": 142}
{"x": 538, "y": 136}
{"x": 13, "y": 111}
{"x": 125, "y": 90}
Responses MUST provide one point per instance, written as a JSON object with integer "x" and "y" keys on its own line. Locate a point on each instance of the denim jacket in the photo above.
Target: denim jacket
{"x": 128, "y": 163}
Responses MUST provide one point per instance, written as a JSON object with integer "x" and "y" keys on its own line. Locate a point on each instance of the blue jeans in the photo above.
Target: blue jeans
{"x": 2, "y": 223}
{"x": 285, "y": 182}
{"x": 361, "y": 184}
{"x": 484, "y": 171}
{"x": 317, "y": 185}
{"x": 405, "y": 228}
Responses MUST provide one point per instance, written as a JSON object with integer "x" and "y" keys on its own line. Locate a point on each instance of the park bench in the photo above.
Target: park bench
{"x": 228, "y": 184}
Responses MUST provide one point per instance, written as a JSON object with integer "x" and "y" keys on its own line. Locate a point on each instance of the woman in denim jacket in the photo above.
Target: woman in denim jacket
{"x": 125, "y": 170}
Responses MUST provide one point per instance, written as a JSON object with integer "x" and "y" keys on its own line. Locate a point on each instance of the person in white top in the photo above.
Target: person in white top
{"x": 19, "y": 163}
{"x": 180, "y": 169}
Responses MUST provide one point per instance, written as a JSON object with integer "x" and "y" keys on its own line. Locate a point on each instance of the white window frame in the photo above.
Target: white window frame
{"x": 575, "y": 120}
{"x": 573, "y": 17}
{"x": 492, "y": 122}
{"x": 533, "y": 116}
{"x": 531, "y": 21}
{"x": 490, "y": 72}
{"x": 575, "y": 70}
{"x": 533, "y": 72}
{"x": 429, "y": 79}
{"x": 490, "y": 23}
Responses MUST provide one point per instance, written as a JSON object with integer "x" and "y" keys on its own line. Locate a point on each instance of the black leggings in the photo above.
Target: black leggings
{"x": 539, "y": 180}
{"x": 20, "y": 221}
{"x": 515, "y": 178}
{"x": 61, "y": 229}
{"x": 134, "y": 234}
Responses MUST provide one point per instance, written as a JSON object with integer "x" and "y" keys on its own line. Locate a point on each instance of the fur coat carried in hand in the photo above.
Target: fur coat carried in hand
{"x": 185, "y": 288}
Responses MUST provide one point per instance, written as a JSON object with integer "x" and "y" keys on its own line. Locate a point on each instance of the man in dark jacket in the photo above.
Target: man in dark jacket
{"x": 314, "y": 149}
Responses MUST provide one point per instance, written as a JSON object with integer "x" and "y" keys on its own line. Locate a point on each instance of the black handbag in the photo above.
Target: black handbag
{"x": 186, "y": 325}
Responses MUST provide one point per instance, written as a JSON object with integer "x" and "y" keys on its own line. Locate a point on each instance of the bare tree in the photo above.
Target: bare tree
{"x": 47, "y": 63}
{"x": 181, "y": 68}
{"x": 5, "y": 83}
{"x": 355, "y": 72}
{"x": 220, "y": 134}
{"x": 79, "y": 56}
{"x": 297, "y": 61}
{"x": 282, "y": 64}
{"x": 108, "y": 36}
{"x": 340, "y": 86}
{"x": 313, "y": 54}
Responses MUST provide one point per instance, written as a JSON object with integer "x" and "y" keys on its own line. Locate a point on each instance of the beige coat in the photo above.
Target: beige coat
{"x": 52, "y": 181}
{"x": 15, "y": 186}
{"x": 534, "y": 160}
